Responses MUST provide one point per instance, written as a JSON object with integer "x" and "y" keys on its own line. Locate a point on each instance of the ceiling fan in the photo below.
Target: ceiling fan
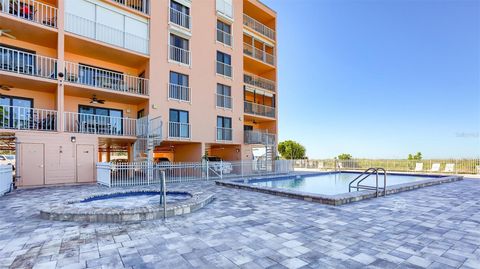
{"x": 5, "y": 87}
{"x": 96, "y": 101}
{"x": 5, "y": 32}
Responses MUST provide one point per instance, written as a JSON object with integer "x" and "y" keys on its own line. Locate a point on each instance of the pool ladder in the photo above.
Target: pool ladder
{"x": 370, "y": 171}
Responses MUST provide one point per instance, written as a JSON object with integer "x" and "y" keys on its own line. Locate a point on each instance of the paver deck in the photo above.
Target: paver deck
{"x": 432, "y": 227}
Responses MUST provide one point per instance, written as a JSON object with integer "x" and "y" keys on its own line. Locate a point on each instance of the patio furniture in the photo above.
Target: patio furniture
{"x": 418, "y": 167}
{"x": 449, "y": 168}
{"x": 435, "y": 167}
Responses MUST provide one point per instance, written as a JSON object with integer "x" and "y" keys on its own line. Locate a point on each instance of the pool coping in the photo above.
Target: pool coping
{"x": 68, "y": 212}
{"x": 337, "y": 199}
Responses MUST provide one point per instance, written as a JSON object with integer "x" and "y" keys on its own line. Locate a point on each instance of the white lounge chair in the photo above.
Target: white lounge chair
{"x": 435, "y": 167}
{"x": 320, "y": 166}
{"x": 418, "y": 167}
{"x": 449, "y": 168}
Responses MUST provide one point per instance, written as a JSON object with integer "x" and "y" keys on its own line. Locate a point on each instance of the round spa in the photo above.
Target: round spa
{"x": 126, "y": 205}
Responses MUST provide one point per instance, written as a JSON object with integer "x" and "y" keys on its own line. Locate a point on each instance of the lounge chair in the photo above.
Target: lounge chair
{"x": 320, "y": 166}
{"x": 435, "y": 167}
{"x": 449, "y": 168}
{"x": 418, "y": 167}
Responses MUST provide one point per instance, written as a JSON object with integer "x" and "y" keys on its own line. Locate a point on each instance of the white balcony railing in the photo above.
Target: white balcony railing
{"x": 179, "y": 130}
{"x": 258, "y": 26}
{"x": 31, "y": 10}
{"x": 224, "y": 101}
{"x": 101, "y": 78}
{"x": 180, "y": 18}
{"x": 224, "y": 134}
{"x": 259, "y": 137}
{"x": 258, "y": 54}
{"x": 97, "y": 31}
{"x": 139, "y": 5}
{"x": 26, "y": 118}
{"x": 178, "y": 92}
{"x": 224, "y": 37}
{"x": 98, "y": 124}
{"x": 259, "y": 82}
{"x": 179, "y": 55}
{"x": 258, "y": 109}
{"x": 224, "y": 69}
{"x": 25, "y": 63}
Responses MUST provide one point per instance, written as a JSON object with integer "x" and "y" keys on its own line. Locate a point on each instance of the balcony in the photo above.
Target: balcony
{"x": 180, "y": 19}
{"x": 98, "y": 124}
{"x": 224, "y": 134}
{"x": 26, "y": 118}
{"x": 224, "y": 69}
{"x": 179, "y": 130}
{"x": 259, "y": 82}
{"x": 178, "y": 92}
{"x": 31, "y": 10}
{"x": 258, "y": 27}
{"x": 179, "y": 55}
{"x": 97, "y": 31}
{"x": 224, "y": 101}
{"x": 258, "y": 54}
{"x": 29, "y": 64}
{"x": 259, "y": 110}
{"x": 258, "y": 137}
{"x": 101, "y": 78}
{"x": 224, "y": 37}
{"x": 138, "y": 5}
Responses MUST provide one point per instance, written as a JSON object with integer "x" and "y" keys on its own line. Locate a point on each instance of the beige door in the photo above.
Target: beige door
{"x": 85, "y": 163}
{"x": 33, "y": 164}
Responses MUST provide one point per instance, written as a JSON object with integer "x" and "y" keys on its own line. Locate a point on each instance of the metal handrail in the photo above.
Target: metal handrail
{"x": 365, "y": 175}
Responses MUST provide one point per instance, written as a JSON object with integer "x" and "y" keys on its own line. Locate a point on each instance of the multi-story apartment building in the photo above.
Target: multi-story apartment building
{"x": 177, "y": 79}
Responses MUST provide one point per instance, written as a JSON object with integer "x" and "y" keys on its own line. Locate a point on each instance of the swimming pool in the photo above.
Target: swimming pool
{"x": 332, "y": 187}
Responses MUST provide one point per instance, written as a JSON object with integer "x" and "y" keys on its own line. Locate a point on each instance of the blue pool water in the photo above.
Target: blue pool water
{"x": 330, "y": 183}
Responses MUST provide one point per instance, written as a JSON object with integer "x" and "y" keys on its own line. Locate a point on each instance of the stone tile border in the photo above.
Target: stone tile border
{"x": 68, "y": 212}
{"x": 338, "y": 199}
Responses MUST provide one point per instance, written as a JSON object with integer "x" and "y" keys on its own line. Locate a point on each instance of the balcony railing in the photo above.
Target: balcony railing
{"x": 224, "y": 134}
{"x": 100, "y": 78}
{"x": 25, "y": 63}
{"x": 224, "y": 37}
{"x": 139, "y": 5}
{"x": 259, "y": 82}
{"x": 97, "y": 31}
{"x": 224, "y": 69}
{"x": 224, "y": 101}
{"x": 98, "y": 124}
{"x": 180, "y": 55}
{"x": 178, "y": 92}
{"x": 260, "y": 110}
{"x": 26, "y": 118}
{"x": 180, "y": 18}
{"x": 31, "y": 10}
{"x": 259, "y": 137}
{"x": 258, "y": 54}
{"x": 258, "y": 26}
{"x": 179, "y": 130}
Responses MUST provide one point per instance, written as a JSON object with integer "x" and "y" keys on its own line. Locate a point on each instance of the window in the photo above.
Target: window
{"x": 180, "y": 14}
{"x": 224, "y": 33}
{"x": 179, "y": 124}
{"x": 141, "y": 113}
{"x": 100, "y": 120}
{"x": 98, "y": 77}
{"x": 224, "y": 64}
{"x": 224, "y": 128}
{"x": 17, "y": 60}
{"x": 178, "y": 88}
{"x": 225, "y": 8}
{"x": 16, "y": 112}
{"x": 224, "y": 96}
{"x": 179, "y": 49}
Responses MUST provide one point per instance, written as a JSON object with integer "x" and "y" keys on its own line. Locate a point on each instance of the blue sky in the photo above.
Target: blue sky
{"x": 380, "y": 79}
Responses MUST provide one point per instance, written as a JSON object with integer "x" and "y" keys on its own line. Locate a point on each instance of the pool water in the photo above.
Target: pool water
{"x": 131, "y": 200}
{"x": 331, "y": 183}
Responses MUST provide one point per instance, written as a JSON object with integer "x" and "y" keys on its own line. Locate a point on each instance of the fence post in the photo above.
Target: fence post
{"x": 221, "y": 169}
{"x": 208, "y": 170}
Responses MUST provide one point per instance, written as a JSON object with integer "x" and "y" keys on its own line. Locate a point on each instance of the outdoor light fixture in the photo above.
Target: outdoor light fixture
{"x": 73, "y": 139}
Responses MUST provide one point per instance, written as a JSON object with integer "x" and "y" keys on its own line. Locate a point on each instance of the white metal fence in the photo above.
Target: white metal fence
{"x": 224, "y": 69}
{"x": 259, "y": 82}
{"x": 98, "y": 124}
{"x": 25, "y": 63}
{"x": 180, "y": 18}
{"x": 94, "y": 30}
{"x": 179, "y": 92}
{"x": 31, "y": 10}
{"x": 26, "y": 118}
{"x": 139, "y": 5}
{"x": 456, "y": 166}
{"x": 258, "y": 26}
{"x": 179, "y": 55}
{"x": 147, "y": 173}
{"x": 258, "y": 109}
{"x": 258, "y": 54}
{"x": 6, "y": 178}
{"x": 101, "y": 78}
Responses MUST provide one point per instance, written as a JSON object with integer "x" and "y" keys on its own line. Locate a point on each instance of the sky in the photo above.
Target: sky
{"x": 380, "y": 78}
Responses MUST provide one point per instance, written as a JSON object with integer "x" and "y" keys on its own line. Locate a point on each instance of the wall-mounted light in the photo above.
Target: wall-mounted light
{"x": 73, "y": 139}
